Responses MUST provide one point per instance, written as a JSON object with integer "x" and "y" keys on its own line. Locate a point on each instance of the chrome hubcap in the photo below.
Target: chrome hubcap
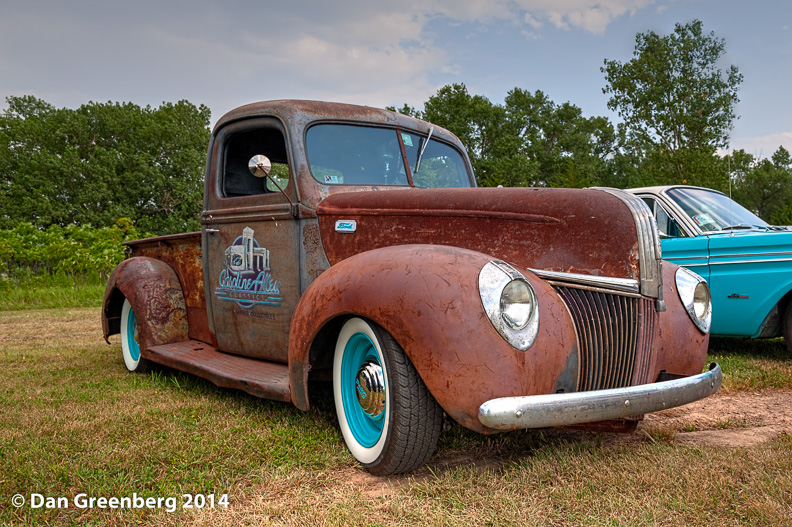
{"x": 370, "y": 389}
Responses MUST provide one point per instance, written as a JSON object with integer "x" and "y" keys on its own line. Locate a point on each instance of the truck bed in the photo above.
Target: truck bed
{"x": 183, "y": 252}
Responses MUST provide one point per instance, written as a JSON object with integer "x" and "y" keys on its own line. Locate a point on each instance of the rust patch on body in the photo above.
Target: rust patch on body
{"x": 153, "y": 290}
{"x": 550, "y": 229}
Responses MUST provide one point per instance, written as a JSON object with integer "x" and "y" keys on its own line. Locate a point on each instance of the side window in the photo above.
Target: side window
{"x": 667, "y": 226}
{"x": 240, "y": 147}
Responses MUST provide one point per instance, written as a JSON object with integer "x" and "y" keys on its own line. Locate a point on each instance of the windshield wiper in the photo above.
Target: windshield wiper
{"x": 742, "y": 226}
{"x": 423, "y": 147}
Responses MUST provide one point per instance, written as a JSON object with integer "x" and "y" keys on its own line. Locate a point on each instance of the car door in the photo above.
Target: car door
{"x": 748, "y": 271}
{"x": 251, "y": 243}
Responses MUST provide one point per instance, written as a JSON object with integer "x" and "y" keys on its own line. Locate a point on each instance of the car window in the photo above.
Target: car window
{"x": 341, "y": 154}
{"x": 240, "y": 147}
{"x": 440, "y": 165}
{"x": 666, "y": 225}
{"x": 713, "y": 211}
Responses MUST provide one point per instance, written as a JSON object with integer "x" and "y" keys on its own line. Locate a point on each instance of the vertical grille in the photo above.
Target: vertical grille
{"x": 614, "y": 337}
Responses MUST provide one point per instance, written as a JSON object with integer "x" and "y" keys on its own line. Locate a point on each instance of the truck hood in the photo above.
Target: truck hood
{"x": 562, "y": 230}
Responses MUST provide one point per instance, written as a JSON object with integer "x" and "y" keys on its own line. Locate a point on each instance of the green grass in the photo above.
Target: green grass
{"x": 752, "y": 364}
{"x": 74, "y": 421}
{"x": 51, "y": 292}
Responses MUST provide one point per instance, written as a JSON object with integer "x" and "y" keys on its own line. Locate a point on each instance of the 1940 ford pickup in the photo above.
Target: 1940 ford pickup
{"x": 349, "y": 244}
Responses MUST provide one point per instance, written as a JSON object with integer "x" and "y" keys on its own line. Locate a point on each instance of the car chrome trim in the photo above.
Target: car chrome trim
{"x": 688, "y": 258}
{"x": 771, "y": 260}
{"x": 786, "y": 253}
{"x": 606, "y": 283}
{"x": 562, "y": 409}
{"x": 649, "y": 252}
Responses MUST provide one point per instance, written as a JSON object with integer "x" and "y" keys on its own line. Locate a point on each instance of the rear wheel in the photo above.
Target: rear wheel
{"x": 389, "y": 420}
{"x": 130, "y": 343}
{"x": 786, "y": 326}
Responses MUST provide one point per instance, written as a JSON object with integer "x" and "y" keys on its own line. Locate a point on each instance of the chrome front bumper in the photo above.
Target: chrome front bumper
{"x": 561, "y": 409}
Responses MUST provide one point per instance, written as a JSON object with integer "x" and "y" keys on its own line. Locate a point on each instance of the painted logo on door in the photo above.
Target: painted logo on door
{"x": 247, "y": 277}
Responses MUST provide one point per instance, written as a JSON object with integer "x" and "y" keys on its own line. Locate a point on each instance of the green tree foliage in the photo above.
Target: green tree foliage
{"x": 676, "y": 103}
{"x": 527, "y": 141}
{"x": 479, "y": 125}
{"x": 27, "y": 251}
{"x": 570, "y": 149}
{"x": 102, "y": 162}
{"x": 764, "y": 186}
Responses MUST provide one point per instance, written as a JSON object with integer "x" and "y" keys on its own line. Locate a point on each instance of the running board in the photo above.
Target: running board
{"x": 268, "y": 380}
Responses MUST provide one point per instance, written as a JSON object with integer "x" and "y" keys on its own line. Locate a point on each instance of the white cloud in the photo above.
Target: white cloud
{"x": 762, "y": 146}
{"x": 593, "y": 16}
{"x": 531, "y": 21}
{"x": 377, "y": 53}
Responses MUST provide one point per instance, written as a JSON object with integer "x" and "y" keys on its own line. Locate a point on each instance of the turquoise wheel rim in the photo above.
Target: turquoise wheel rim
{"x": 366, "y": 429}
{"x": 132, "y": 336}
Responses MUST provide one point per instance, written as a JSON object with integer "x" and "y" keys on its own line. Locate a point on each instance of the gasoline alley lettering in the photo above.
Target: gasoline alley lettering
{"x": 263, "y": 284}
{"x": 245, "y": 259}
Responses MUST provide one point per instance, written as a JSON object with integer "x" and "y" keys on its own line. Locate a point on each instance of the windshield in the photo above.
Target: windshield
{"x": 341, "y": 154}
{"x": 713, "y": 211}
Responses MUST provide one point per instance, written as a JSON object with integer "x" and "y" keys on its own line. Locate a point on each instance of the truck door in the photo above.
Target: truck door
{"x": 250, "y": 235}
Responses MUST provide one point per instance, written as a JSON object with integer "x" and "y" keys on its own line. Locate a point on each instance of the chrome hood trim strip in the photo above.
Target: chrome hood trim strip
{"x": 624, "y": 285}
{"x": 649, "y": 253}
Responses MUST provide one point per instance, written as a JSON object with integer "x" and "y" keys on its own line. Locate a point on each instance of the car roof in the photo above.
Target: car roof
{"x": 660, "y": 189}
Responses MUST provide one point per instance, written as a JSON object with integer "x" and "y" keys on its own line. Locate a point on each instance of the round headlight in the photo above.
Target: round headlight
{"x": 517, "y": 304}
{"x": 695, "y": 296}
{"x": 510, "y": 303}
{"x": 701, "y": 300}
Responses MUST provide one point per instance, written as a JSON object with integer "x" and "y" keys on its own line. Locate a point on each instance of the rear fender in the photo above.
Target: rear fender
{"x": 154, "y": 291}
{"x": 427, "y": 298}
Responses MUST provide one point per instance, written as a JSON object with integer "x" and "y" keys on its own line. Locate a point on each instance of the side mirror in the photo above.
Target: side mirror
{"x": 259, "y": 165}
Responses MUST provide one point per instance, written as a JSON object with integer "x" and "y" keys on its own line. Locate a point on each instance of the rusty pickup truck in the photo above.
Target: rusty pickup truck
{"x": 349, "y": 244}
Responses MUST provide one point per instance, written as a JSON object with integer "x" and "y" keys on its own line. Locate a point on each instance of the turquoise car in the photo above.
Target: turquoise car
{"x": 747, "y": 262}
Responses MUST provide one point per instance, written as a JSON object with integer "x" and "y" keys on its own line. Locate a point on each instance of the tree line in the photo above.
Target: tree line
{"x": 101, "y": 162}
{"x": 98, "y": 163}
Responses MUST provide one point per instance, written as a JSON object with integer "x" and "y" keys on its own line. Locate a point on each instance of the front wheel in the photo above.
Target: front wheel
{"x": 130, "y": 343}
{"x": 389, "y": 420}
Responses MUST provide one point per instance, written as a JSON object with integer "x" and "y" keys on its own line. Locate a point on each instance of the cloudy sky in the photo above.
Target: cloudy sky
{"x": 376, "y": 52}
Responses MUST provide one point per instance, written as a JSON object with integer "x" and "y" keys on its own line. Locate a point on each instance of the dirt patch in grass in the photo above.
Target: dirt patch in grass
{"x": 741, "y": 419}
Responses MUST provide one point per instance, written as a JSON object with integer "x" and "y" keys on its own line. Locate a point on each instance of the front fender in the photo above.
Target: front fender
{"x": 153, "y": 289}
{"x": 427, "y": 298}
{"x": 679, "y": 346}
